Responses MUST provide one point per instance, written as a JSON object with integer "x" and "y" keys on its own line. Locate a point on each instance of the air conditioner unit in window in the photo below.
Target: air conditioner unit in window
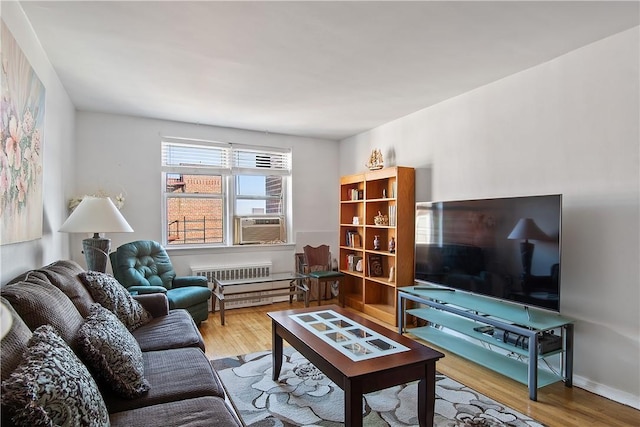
{"x": 252, "y": 230}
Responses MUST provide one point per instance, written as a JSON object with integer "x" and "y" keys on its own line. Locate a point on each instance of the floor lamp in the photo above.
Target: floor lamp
{"x": 96, "y": 215}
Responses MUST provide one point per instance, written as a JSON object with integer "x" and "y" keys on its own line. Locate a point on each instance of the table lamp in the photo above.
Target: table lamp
{"x": 96, "y": 215}
{"x": 526, "y": 229}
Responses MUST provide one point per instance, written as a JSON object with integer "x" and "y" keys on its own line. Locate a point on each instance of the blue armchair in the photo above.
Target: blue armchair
{"x": 143, "y": 267}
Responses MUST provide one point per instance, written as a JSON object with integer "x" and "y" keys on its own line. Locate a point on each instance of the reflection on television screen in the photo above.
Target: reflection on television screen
{"x": 507, "y": 248}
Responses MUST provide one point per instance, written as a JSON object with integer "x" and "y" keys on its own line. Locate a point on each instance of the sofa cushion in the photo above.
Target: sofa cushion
{"x": 52, "y": 387}
{"x": 14, "y": 343}
{"x": 174, "y": 374}
{"x": 107, "y": 291}
{"x": 112, "y": 353}
{"x": 175, "y": 330}
{"x": 31, "y": 276}
{"x": 64, "y": 275}
{"x": 42, "y": 304}
{"x": 197, "y": 412}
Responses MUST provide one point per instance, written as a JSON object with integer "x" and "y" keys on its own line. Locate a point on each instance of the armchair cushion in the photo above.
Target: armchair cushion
{"x": 144, "y": 263}
{"x": 325, "y": 274}
{"x": 181, "y": 282}
{"x": 187, "y": 296}
{"x": 114, "y": 297}
{"x": 142, "y": 290}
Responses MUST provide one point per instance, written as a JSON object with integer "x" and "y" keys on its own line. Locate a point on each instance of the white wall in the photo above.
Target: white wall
{"x": 117, "y": 153}
{"x": 58, "y": 155}
{"x": 568, "y": 126}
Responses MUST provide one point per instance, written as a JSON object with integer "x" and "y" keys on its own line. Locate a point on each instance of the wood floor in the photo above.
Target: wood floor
{"x": 248, "y": 330}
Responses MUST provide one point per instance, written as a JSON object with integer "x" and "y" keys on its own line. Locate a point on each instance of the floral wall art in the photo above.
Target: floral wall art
{"x": 21, "y": 137}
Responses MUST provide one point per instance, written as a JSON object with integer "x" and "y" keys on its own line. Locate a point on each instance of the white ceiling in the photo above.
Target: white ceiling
{"x": 318, "y": 69}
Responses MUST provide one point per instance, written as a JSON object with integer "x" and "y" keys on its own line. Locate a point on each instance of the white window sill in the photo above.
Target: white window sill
{"x": 185, "y": 250}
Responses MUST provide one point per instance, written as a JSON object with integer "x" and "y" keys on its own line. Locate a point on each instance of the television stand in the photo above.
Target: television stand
{"x": 455, "y": 322}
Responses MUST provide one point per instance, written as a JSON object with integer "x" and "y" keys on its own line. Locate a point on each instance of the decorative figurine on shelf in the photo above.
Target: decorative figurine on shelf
{"x": 376, "y": 243}
{"x": 392, "y": 274}
{"x": 392, "y": 245}
{"x": 375, "y": 160}
{"x": 380, "y": 219}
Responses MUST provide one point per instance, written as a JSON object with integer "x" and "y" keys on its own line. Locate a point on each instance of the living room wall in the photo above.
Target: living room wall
{"x": 122, "y": 154}
{"x": 57, "y": 152}
{"x": 568, "y": 126}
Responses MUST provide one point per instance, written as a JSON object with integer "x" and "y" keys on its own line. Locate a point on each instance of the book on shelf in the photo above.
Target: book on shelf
{"x": 392, "y": 215}
{"x": 352, "y": 262}
{"x": 352, "y": 239}
{"x": 374, "y": 265}
{"x": 355, "y": 194}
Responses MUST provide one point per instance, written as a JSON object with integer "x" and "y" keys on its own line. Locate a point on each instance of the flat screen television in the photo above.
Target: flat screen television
{"x": 506, "y": 248}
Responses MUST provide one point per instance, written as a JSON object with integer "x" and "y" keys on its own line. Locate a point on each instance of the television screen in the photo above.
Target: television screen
{"x": 507, "y": 248}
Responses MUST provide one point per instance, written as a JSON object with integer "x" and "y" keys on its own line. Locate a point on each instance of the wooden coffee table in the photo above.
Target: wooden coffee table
{"x": 377, "y": 358}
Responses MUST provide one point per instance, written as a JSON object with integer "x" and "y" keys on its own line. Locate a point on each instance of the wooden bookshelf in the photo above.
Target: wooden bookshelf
{"x": 391, "y": 192}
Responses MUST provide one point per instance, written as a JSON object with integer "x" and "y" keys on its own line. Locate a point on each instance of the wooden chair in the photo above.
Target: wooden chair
{"x": 317, "y": 262}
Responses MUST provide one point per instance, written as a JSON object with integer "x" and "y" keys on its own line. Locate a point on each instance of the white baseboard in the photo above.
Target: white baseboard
{"x": 607, "y": 392}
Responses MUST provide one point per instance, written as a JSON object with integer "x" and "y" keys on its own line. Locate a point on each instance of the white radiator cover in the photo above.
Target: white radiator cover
{"x": 240, "y": 271}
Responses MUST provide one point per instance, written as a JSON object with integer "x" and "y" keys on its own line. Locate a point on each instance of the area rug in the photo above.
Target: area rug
{"x": 304, "y": 396}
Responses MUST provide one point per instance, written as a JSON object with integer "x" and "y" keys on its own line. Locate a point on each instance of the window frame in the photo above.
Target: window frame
{"x": 233, "y": 162}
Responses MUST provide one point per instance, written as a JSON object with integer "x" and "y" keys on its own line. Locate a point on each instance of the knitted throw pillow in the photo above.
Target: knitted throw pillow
{"x": 110, "y": 294}
{"x": 112, "y": 352}
{"x": 51, "y": 386}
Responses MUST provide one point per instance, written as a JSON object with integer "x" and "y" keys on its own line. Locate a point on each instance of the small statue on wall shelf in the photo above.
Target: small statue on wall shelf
{"x": 375, "y": 160}
{"x": 376, "y": 243}
{"x": 392, "y": 245}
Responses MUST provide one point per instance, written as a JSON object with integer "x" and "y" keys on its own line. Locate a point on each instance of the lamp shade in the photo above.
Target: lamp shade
{"x": 527, "y": 229}
{"x": 96, "y": 215}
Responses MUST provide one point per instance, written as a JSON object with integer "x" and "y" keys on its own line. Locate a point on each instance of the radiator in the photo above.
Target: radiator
{"x": 246, "y": 271}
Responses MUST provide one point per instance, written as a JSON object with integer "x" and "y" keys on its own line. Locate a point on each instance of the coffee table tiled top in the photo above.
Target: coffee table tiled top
{"x": 355, "y": 341}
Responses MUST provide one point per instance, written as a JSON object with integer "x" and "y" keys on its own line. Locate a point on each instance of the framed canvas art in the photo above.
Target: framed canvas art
{"x": 22, "y": 137}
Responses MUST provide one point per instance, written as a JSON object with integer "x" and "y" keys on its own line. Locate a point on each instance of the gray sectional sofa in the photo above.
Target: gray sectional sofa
{"x": 184, "y": 390}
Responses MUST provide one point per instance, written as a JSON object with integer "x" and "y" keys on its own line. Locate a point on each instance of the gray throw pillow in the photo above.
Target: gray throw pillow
{"x": 110, "y": 294}
{"x": 51, "y": 386}
{"x": 112, "y": 353}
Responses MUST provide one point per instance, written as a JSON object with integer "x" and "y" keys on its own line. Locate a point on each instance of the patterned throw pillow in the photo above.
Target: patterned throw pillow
{"x": 112, "y": 352}
{"x": 110, "y": 294}
{"x": 51, "y": 386}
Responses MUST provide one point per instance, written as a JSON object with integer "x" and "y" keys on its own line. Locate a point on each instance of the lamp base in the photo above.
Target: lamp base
{"x": 96, "y": 253}
{"x": 526, "y": 252}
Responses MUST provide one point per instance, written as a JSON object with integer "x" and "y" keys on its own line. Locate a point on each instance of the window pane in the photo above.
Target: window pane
{"x": 194, "y": 220}
{"x": 258, "y": 185}
{"x": 258, "y": 195}
{"x": 193, "y": 184}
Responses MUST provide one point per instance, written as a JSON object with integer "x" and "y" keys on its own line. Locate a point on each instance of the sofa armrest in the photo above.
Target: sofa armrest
{"x": 142, "y": 290}
{"x": 181, "y": 282}
{"x": 156, "y": 304}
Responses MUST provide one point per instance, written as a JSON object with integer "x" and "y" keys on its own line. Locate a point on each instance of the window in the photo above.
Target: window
{"x": 217, "y": 194}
